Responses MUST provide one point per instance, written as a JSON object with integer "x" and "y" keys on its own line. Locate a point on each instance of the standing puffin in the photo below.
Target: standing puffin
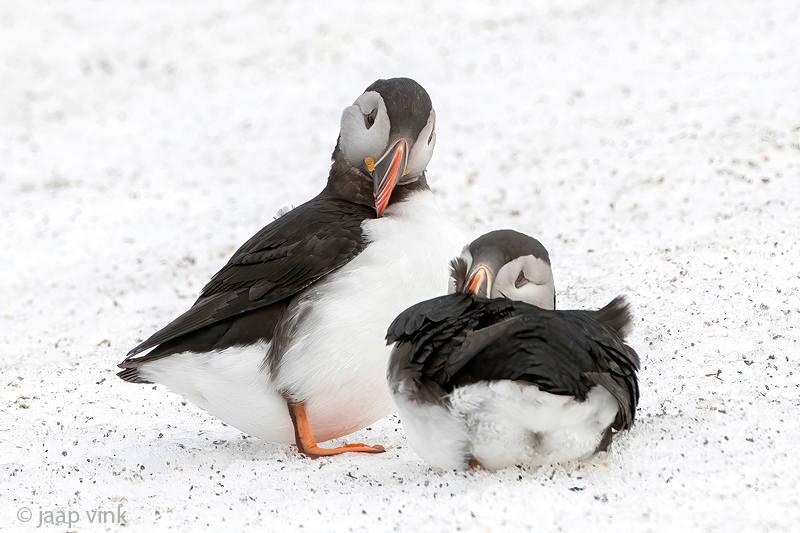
{"x": 286, "y": 341}
{"x": 492, "y": 375}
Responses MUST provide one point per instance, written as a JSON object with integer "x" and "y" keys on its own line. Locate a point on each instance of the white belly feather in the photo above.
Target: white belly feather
{"x": 503, "y": 423}
{"x": 336, "y": 362}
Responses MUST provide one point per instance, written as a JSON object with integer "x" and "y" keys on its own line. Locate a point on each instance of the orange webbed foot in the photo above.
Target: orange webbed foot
{"x": 306, "y": 443}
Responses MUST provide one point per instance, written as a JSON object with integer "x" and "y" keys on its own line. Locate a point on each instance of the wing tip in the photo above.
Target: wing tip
{"x": 131, "y": 360}
{"x": 396, "y": 328}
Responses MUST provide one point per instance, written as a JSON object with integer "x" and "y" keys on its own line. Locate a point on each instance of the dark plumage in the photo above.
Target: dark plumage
{"x": 246, "y": 299}
{"x": 504, "y": 245}
{"x": 408, "y": 106}
{"x": 459, "y": 339}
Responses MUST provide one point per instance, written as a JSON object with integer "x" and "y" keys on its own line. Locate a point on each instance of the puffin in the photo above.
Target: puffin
{"x": 286, "y": 341}
{"x": 491, "y": 375}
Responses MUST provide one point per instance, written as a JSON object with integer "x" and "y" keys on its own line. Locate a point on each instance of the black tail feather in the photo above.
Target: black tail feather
{"x": 131, "y": 375}
{"x": 617, "y": 316}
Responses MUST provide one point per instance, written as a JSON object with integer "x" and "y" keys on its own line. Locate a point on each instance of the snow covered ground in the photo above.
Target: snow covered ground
{"x": 651, "y": 146}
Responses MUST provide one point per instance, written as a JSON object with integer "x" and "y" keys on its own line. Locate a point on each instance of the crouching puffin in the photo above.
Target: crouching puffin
{"x": 492, "y": 375}
{"x": 286, "y": 341}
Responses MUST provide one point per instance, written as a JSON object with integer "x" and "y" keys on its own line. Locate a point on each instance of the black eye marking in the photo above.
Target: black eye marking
{"x": 433, "y": 130}
{"x": 369, "y": 120}
{"x": 521, "y": 280}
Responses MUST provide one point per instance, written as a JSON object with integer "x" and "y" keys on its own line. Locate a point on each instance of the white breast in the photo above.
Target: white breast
{"x": 511, "y": 422}
{"x": 434, "y": 432}
{"x": 337, "y": 360}
{"x": 503, "y": 423}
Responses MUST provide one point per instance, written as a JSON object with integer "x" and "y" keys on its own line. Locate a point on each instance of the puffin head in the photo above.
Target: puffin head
{"x": 388, "y": 136}
{"x": 505, "y": 264}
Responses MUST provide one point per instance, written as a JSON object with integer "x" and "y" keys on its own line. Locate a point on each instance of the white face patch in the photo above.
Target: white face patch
{"x": 422, "y": 151}
{"x": 358, "y": 142}
{"x": 539, "y": 288}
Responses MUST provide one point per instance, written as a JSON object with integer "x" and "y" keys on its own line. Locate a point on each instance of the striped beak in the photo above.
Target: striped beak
{"x": 387, "y": 172}
{"x": 479, "y": 281}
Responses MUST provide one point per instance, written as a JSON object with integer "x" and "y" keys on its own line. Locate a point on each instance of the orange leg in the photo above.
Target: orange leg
{"x": 308, "y": 445}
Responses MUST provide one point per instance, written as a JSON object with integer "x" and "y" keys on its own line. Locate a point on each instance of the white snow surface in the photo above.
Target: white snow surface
{"x": 651, "y": 146}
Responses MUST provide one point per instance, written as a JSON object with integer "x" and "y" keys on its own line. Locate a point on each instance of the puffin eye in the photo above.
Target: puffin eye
{"x": 521, "y": 280}
{"x": 431, "y": 136}
{"x": 369, "y": 120}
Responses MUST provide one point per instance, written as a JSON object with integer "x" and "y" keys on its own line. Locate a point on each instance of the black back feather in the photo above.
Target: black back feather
{"x": 294, "y": 251}
{"x": 457, "y": 340}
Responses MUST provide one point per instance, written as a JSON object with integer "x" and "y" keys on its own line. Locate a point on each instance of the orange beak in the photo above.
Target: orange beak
{"x": 480, "y": 282}
{"x": 388, "y": 170}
